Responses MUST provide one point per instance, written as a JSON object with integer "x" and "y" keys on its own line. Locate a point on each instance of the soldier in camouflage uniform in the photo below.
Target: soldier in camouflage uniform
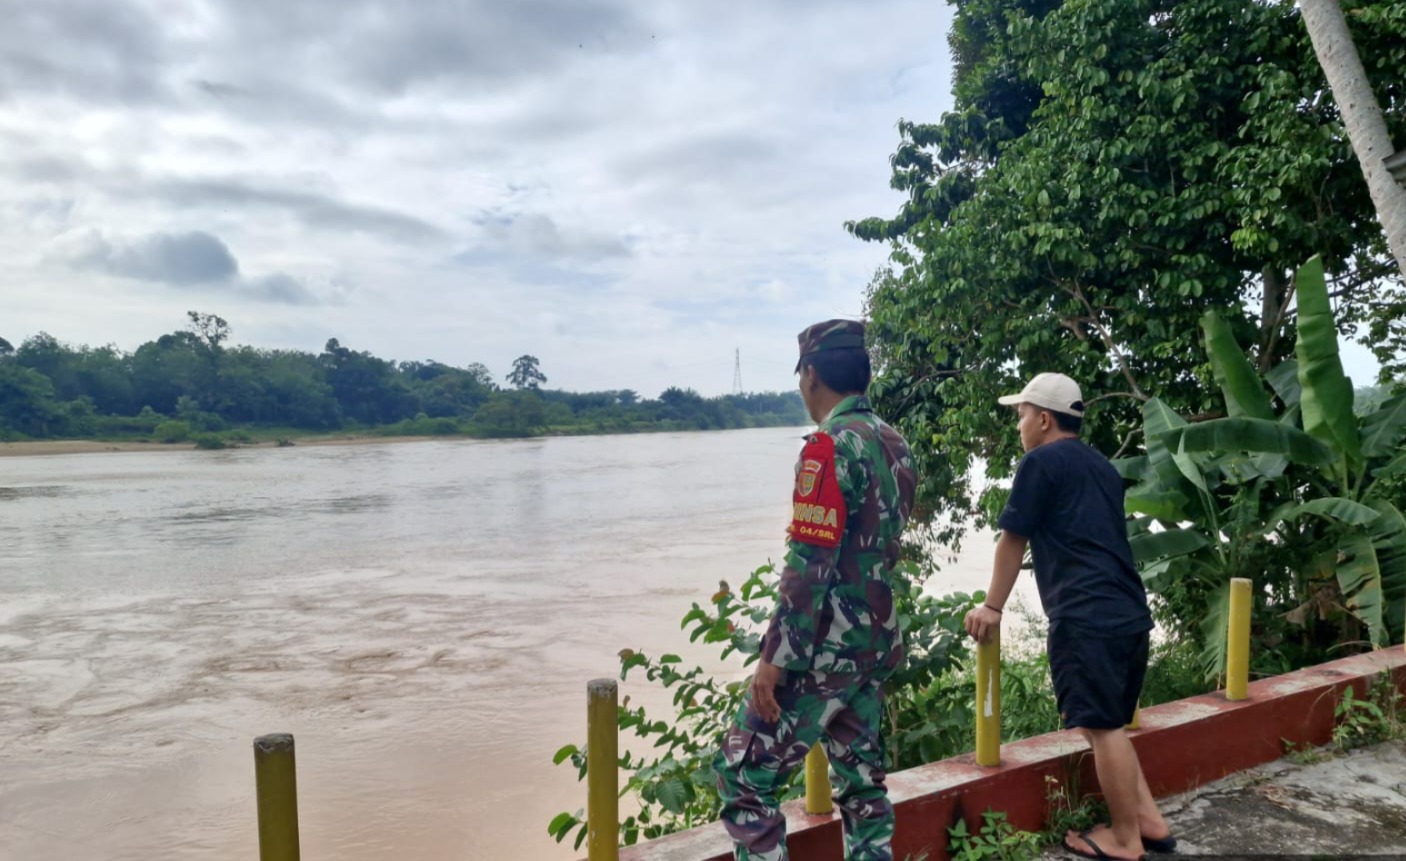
{"x": 834, "y": 637}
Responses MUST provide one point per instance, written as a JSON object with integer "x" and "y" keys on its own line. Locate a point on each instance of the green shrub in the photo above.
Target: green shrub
{"x": 1173, "y": 672}
{"x": 422, "y": 425}
{"x": 172, "y": 431}
{"x": 143, "y": 424}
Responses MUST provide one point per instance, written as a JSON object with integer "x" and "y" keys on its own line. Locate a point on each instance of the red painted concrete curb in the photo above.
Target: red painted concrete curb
{"x": 1181, "y": 745}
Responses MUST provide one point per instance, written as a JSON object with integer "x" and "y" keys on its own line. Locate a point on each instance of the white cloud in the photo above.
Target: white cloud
{"x": 279, "y": 287}
{"x": 535, "y": 235}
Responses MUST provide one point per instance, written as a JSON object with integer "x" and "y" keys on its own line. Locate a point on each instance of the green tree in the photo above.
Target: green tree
{"x": 103, "y": 374}
{"x": 208, "y": 334}
{"x": 511, "y": 414}
{"x": 297, "y": 392}
{"x": 27, "y": 403}
{"x": 445, "y": 391}
{"x": 47, "y": 355}
{"x": 1110, "y": 169}
{"x": 211, "y": 330}
{"x": 690, "y": 408}
{"x": 525, "y": 373}
{"x": 479, "y": 373}
{"x": 80, "y": 417}
{"x": 775, "y": 408}
{"x": 195, "y": 379}
{"x": 167, "y": 368}
{"x": 367, "y": 388}
{"x": 241, "y": 380}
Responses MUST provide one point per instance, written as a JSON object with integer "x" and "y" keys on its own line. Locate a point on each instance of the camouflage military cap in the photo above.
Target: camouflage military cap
{"x": 830, "y": 335}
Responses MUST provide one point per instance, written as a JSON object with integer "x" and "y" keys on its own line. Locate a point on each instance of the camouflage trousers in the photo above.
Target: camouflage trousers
{"x": 757, "y": 757}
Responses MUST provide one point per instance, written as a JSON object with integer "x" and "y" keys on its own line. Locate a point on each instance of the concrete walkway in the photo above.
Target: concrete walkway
{"x": 1346, "y": 805}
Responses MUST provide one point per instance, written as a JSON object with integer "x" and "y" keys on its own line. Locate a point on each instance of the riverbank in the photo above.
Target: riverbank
{"x": 42, "y": 447}
{"x": 39, "y": 447}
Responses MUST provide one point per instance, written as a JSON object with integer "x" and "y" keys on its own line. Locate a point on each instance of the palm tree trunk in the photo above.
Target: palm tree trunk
{"x": 1327, "y": 28}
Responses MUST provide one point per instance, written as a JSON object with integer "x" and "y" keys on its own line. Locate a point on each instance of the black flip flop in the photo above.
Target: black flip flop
{"x": 1165, "y": 846}
{"x": 1098, "y": 854}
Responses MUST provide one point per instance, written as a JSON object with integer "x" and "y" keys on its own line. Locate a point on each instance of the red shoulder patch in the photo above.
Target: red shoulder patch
{"x": 819, "y": 511}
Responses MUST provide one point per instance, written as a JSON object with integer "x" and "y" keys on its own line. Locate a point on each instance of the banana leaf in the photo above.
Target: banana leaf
{"x": 1327, "y": 392}
{"x": 1284, "y": 379}
{"x": 1166, "y": 544}
{"x": 1274, "y": 465}
{"x": 1175, "y": 472}
{"x": 1360, "y": 578}
{"x": 1215, "y": 630}
{"x": 1241, "y": 386}
{"x": 1243, "y": 469}
{"x": 1389, "y": 540}
{"x": 1382, "y": 428}
{"x": 1164, "y": 572}
{"x": 1158, "y": 420}
{"x": 1259, "y": 436}
{"x": 1139, "y": 526}
{"x": 1152, "y": 500}
{"x": 1274, "y": 518}
{"x": 1160, "y": 425}
{"x": 1396, "y": 465}
{"x": 1131, "y": 468}
{"x": 1336, "y": 508}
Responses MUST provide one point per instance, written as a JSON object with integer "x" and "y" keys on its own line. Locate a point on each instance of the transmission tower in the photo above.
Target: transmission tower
{"x": 737, "y": 372}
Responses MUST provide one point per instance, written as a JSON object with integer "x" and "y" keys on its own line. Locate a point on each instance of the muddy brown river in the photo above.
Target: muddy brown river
{"x": 423, "y": 617}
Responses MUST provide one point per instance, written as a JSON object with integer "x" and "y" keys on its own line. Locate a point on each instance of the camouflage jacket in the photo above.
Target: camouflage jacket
{"x": 854, "y": 492}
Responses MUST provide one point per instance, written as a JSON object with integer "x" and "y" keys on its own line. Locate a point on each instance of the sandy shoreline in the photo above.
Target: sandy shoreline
{"x": 34, "y": 448}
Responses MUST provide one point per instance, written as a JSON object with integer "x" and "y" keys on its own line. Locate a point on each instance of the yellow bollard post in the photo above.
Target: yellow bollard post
{"x": 818, "y": 781}
{"x": 1237, "y": 646}
{"x": 276, "y": 790}
{"x": 602, "y": 775}
{"x": 988, "y": 702}
{"x": 1136, "y": 722}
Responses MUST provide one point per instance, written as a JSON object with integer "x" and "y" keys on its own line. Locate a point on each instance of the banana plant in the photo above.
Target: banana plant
{"x": 1298, "y": 488}
{"x": 1199, "y": 512}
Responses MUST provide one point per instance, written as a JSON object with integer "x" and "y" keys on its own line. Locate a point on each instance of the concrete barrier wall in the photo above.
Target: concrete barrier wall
{"x": 1182, "y": 745}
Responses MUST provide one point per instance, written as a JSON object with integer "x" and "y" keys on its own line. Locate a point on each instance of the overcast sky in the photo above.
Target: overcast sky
{"x": 628, "y": 190}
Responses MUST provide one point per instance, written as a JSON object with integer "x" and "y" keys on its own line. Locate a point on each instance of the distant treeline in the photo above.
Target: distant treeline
{"x": 190, "y": 384}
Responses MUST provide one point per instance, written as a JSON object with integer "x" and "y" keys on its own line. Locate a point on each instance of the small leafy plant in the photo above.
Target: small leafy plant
{"x": 997, "y": 840}
{"x": 1376, "y": 718}
{"x": 1305, "y": 753}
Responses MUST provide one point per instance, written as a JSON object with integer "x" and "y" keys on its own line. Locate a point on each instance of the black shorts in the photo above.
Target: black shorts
{"x": 1097, "y": 680}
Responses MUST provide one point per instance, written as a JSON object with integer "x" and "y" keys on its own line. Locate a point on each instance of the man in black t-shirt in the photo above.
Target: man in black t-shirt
{"x": 1067, "y": 503}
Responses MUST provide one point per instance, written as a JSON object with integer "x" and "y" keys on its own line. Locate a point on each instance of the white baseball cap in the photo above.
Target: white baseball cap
{"x": 1051, "y": 392}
